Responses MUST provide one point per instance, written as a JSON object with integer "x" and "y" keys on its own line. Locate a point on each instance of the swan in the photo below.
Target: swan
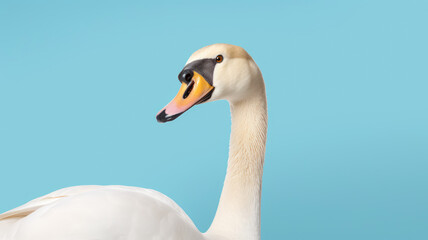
{"x": 215, "y": 72}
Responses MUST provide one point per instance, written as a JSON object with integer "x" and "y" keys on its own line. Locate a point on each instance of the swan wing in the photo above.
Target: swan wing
{"x": 101, "y": 212}
{"x": 45, "y": 200}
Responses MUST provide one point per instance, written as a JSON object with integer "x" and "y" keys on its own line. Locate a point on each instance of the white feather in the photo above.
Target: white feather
{"x": 100, "y": 212}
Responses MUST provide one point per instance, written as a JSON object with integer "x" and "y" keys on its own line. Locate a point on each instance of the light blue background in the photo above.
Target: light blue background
{"x": 347, "y": 83}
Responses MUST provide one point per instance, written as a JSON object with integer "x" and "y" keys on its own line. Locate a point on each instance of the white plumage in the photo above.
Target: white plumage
{"x": 131, "y": 213}
{"x": 99, "y": 212}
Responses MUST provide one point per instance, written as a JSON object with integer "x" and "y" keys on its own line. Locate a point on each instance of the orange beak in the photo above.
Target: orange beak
{"x": 198, "y": 90}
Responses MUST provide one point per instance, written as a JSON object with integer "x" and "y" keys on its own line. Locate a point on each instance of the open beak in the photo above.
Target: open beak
{"x": 196, "y": 91}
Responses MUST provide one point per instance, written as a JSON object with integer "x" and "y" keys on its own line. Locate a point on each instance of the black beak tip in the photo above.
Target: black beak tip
{"x": 162, "y": 117}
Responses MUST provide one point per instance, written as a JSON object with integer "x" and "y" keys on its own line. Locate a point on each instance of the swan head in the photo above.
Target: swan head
{"x": 215, "y": 72}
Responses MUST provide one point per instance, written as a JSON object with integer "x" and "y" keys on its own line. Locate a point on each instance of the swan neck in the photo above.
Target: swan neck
{"x": 238, "y": 213}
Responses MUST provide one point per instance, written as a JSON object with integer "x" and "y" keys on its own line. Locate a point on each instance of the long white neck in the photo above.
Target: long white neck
{"x": 238, "y": 213}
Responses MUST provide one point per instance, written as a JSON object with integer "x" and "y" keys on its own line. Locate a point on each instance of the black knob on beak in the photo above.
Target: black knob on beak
{"x": 185, "y": 76}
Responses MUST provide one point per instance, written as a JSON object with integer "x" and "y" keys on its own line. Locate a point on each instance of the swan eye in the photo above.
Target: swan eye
{"x": 219, "y": 58}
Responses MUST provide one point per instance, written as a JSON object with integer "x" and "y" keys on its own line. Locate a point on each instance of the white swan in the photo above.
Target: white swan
{"x": 218, "y": 71}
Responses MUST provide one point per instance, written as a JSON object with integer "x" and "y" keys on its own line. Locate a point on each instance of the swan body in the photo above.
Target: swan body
{"x": 219, "y": 71}
{"x": 100, "y": 212}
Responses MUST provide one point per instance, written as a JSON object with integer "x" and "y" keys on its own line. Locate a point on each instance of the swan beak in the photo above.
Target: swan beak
{"x": 193, "y": 92}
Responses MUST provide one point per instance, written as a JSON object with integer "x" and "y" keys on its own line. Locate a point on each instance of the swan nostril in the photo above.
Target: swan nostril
{"x": 186, "y": 76}
{"x": 188, "y": 90}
